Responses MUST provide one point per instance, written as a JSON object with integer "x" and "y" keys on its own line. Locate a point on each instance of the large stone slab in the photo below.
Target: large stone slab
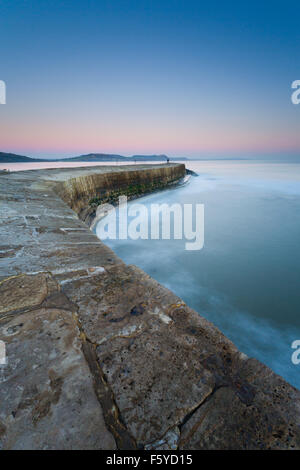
{"x": 23, "y": 292}
{"x": 265, "y": 415}
{"x": 47, "y": 397}
{"x": 167, "y": 367}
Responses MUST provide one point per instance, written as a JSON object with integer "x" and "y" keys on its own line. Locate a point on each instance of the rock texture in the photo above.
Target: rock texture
{"x": 46, "y": 389}
{"x": 100, "y": 356}
{"x": 84, "y": 193}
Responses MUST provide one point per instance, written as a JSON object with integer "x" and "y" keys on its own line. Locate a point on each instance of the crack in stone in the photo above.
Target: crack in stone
{"x": 191, "y": 413}
{"x": 188, "y": 416}
{"x": 162, "y": 440}
{"x": 104, "y": 394}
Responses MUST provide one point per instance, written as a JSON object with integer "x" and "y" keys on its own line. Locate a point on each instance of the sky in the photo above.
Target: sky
{"x": 184, "y": 78}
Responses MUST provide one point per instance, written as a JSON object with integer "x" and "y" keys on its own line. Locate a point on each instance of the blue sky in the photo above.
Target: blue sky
{"x": 183, "y": 78}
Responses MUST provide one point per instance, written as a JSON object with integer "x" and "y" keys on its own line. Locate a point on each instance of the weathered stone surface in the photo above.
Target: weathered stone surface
{"x": 78, "y": 191}
{"x": 146, "y": 362}
{"x": 40, "y": 232}
{"x": 168, "y": 442}
{"x": 46, "y": 389}
{"x": 226, "y": 421}
{"x": 99, "y": 354}
{"x": 22, "y": 292}
{"x": 165, "y": 362}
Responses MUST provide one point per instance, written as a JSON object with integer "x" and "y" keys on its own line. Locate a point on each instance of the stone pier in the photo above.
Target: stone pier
{"x": 101, "y": 356}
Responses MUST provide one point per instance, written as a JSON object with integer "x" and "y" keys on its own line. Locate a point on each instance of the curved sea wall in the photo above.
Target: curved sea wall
{"x": 101, "y": 356}
{"x": 84, "y": 193}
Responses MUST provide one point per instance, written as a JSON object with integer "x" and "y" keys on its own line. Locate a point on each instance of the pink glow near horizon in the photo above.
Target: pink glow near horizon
{"x": 71, "y": 135}
{"x": 42, "y": 145}
{"x": 130, "y": 83}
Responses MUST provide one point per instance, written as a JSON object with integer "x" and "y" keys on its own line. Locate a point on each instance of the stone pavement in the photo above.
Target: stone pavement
{"x": 100, "y": 356}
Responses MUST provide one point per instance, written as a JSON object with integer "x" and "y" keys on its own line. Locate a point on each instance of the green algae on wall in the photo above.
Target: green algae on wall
{"x": 84, "y": 193}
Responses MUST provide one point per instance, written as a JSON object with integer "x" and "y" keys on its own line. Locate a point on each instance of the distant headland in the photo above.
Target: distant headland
{"x": 91, "y": 157}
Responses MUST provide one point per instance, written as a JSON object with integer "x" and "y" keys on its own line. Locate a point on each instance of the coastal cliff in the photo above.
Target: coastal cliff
{"x": 101, "y": 356}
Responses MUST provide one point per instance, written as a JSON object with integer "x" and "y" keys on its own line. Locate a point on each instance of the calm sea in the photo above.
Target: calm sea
{"x": 246, "y": 278}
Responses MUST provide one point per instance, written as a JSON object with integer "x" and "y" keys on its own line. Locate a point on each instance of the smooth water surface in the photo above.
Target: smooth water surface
{"x": 246, "y": 278}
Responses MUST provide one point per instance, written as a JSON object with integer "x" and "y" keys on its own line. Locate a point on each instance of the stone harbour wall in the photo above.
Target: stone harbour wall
{"x": 84, "y": 193}
{"x": 100, "y": 355}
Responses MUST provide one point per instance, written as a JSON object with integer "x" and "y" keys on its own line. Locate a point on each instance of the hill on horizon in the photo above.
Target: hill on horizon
{"x": 91, "y": 157}
{"x": 12, "y": 157}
